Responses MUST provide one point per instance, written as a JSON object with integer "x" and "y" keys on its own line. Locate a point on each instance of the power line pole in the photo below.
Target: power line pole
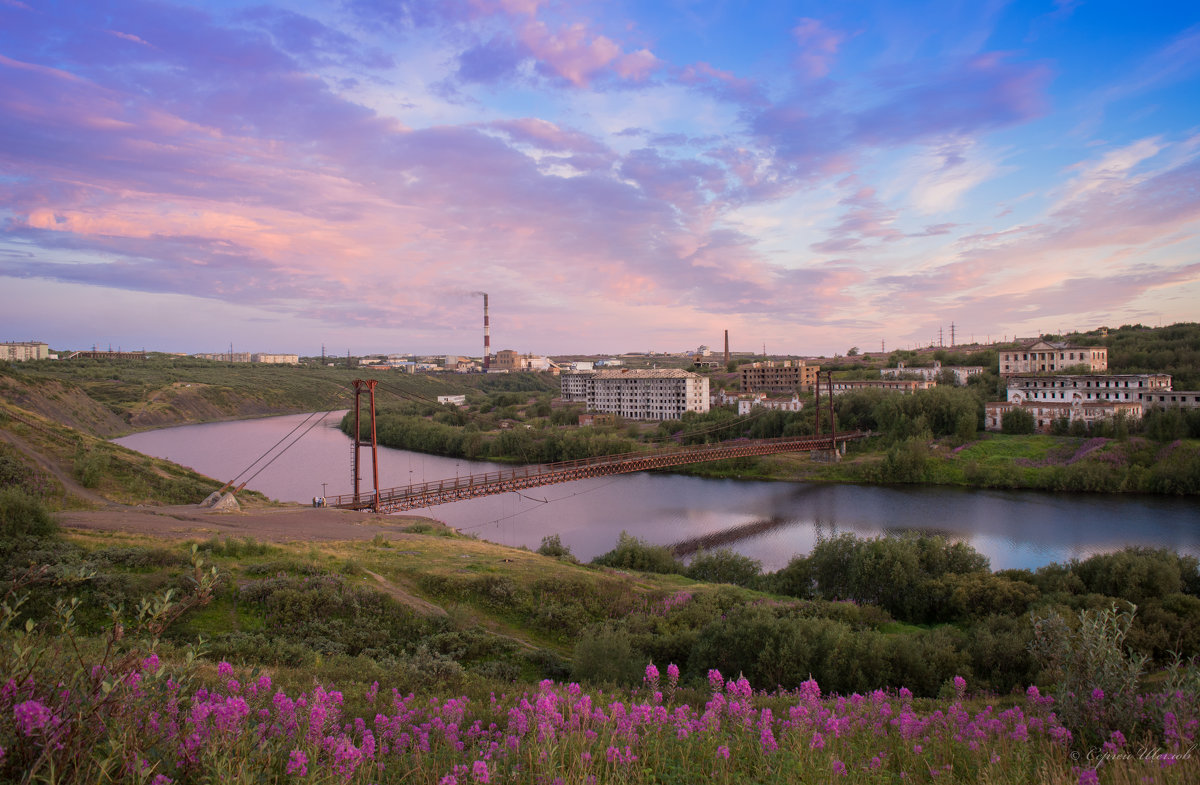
{"x": 951, "y": 335}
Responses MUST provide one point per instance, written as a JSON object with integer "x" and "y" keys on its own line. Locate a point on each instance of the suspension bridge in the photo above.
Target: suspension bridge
{"x": 428, "y": 494}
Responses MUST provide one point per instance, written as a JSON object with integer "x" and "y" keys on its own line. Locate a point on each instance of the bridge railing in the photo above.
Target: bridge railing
{"x": 467, "y": 483}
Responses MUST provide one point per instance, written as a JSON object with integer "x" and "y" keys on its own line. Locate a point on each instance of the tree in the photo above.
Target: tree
{"x": 852, "y": 351}
{"x": 1016, "y": 421}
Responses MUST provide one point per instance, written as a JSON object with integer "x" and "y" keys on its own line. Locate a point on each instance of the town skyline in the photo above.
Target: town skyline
{"x": 616, "y": 176}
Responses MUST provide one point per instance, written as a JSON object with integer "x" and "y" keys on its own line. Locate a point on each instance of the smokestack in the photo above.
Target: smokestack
{"x": 727, "y": 347}
{"x": 487, "y": 336}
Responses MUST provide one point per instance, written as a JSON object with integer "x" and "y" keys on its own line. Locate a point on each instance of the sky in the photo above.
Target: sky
{"x": 282, "y": 176}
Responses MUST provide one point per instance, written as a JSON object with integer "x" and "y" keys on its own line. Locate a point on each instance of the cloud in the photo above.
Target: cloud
{"x": 818, "y": 47}
{"x": 577, "y": 56}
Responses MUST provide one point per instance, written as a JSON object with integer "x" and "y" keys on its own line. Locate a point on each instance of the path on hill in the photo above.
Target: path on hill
{"x": 275, "y": 524}
{"x": 69, "y": 483}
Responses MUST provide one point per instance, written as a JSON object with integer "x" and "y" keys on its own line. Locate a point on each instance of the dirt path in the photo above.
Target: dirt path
{"x": 69, "y": 483}
{"x": 282, "y": 524}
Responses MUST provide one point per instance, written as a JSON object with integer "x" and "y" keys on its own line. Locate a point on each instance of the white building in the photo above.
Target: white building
{"x": 760, "y": 400}
{"x": 454, "y": 400}
{"x": 1046, "y": 357}
{"x": 647, "y": 394}
{"x": 906, "y": 386}
{"x": 1068, "y": 388}
{"x": 961, "y": 372}
{"x": 1046, "y": 412}
{"x": 277, "y": 359}
{"x": 20, "y": 351}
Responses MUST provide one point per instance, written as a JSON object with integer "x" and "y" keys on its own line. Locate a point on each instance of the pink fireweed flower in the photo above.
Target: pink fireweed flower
{"x": 150, "y": 664}
{"x": 1097, "y": 694}
{"x": 1115, "y": 741}
{"x": 1089, "y": 777}
{"x": 960, "y": 686}
{"x": 817, "y": 742}
{"x": 224, "y": 669}
{"x": 297, "y": 763}
{"x": 672, "y": 674}
{"x": 32, "y": 716}
{"x": 715, "y": 680}
{"x": 723, "y": 752}
{"x": 838, "y": 768}
{"x": 652, "y": 676}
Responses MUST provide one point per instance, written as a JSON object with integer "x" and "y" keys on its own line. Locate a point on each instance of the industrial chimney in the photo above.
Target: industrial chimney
{"x": 726, "y": 348}
{"x": 487, "y": 336}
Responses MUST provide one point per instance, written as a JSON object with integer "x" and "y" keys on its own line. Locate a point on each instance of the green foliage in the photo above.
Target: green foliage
{"x": 90, "y": 467}
{"x": 22, "y": 515}
{"x": 724, "y": 566}
{"x": 606, "y": 655}
{"x": 1095, "y": 676}
{"x": 1016, "y": 421}
{"x": 552, "y": 546}
{"x": 633, "y": 553}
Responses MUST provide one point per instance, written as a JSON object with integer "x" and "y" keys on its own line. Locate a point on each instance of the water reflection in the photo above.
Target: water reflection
{"x": 768, "y": 521}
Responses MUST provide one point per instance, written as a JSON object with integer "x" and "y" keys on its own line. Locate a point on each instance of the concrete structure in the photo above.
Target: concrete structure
{"x": 1069, "y": 388}
{"x": 1172, "y": 399}
{"x": 906, "y": 386}
{"x": 1046, "y": 357}
{"x": 509, "y": 361}
{"x": 745, "y": 404}
{"x": 647, "y": 394}
{"x": 95, "y": 354}
{"x": 276, "y": 359}
{"x": 226, "y": 357}
{"x": 779, "y": 375}
{"x": 961, "y": 372}
{"x": 1046, "y": 412}
{"x": 573, "y": 385}
{"x": 454, "y": 400}
{"x": 20, "y": 351}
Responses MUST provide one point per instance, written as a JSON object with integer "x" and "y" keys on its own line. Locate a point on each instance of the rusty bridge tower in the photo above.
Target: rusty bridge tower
{"x": 359, "y": 386}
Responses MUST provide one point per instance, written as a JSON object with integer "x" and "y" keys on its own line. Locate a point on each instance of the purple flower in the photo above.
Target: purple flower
{"x": 298, "y": 763}
{"x": 723, "y": 752}
{"x": 224, "y": 669}
{"x": 479, "y": 771}
{"x": 32, "y": 716}
{"x": 1097, "y": 694}
{"x": 672, "y": 674}
{"x": 839, "y": 768}
{"x": 1088, "y": 777}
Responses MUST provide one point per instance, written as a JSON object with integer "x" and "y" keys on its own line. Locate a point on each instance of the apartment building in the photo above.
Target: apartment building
{"x": 904, "y": 386}
{"x": 276, "y": 359}
{"x": 781, "y": 375}
{"x": 573, "y": 385}
{"x": 1046, "y": 412}
{"x": 647, "y": 394}
{"x": 1046, "y": 357}
{"x": 1087, "y": 387}
{"x": 20, "y": 351}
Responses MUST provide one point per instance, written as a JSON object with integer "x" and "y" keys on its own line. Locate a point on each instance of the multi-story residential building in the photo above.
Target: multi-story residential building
{"x": 1182, "y": 399}
{"x": 276, "y": 359}
{"x": 573, "y": 385}
{"x": 509, "y": 361}
{"x": 226, "y": 357}
{"x": 906, "y": 386}
{"x": 760, "y": 400}
{"x": 1046, "y": 357}
{"x": 1086, "y": 387}
{"x": 1046, "y": 412}
{"x": 647, "y": 394}
{"x": 781, "y": 375}
{"x": 961, "y": 372}
{"x": 20, "y": 351}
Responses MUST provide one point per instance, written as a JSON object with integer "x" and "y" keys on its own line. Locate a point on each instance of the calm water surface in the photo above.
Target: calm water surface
{"x": 768, "y": 521}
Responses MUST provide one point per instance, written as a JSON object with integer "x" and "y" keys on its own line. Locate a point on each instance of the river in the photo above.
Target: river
{"x": 768, "y": 521}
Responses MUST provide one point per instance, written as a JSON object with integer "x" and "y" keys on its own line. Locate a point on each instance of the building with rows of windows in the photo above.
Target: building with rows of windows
{"x": 784, "y": 375}
{"x": 640, "y": 394}
{"x": 1046, "y": 357}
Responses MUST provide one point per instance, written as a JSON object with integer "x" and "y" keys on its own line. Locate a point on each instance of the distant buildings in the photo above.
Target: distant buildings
{"x": 961, "y": 372}
{"x": 453, "y": 400}
{"x": 638, "y": 394}
{"x": 760, "y": 400}
{"x": 907, "y": 386}
{"x": 508, "y": 361}
{"x": 1046, "y": 412}
{"x": 276, "y": 359}
{"x": 1087, "y": 397}
{"x": 20, "y": 351}
{"x": 782, "y": 375}
{"x": 1046, "y": 357}
{"x": 248, "y": 357}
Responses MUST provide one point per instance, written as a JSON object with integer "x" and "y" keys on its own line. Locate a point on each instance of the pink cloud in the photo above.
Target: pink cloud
{"x": 819, "y": 46}
{"x": 578, "y": 56}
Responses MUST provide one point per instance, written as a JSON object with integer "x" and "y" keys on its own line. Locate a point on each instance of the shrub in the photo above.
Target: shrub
{"x": 1095, "y": 676}
{"x": 606, "y": 655}
{"x": 552, "y": 546}
{"x": 724, "y": 566}
{"x": 22, "y": 515}
{"x": 633, "y": 553}
{"x": 1016, "y": 421}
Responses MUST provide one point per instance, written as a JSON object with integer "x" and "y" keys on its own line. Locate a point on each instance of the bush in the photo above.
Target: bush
{"x": 552, "y": 546}
{"x": 606, "y": 655}
{"x": 1016, "y": 421}
{"x": 724, "y": 566}
{"x": 633, "y": 553}
{"x": 22, "y": 515}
